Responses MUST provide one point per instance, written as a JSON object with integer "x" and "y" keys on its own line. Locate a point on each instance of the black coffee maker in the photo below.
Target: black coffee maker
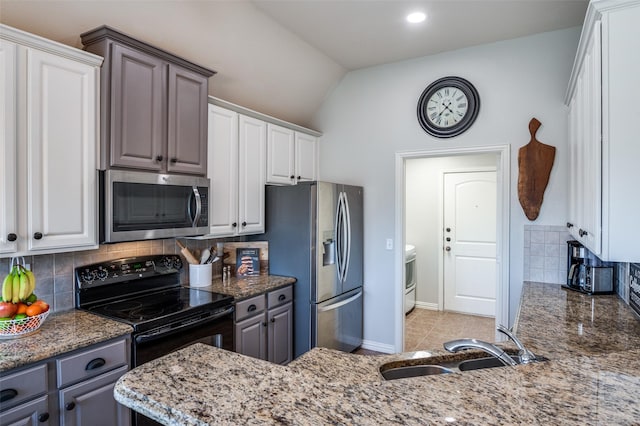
{"x": 586, "y": 273}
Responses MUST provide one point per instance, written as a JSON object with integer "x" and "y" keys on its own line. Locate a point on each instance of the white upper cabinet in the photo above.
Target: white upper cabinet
{"x": 291, "y": 156}
{"x": 51, "y": 110}
{"x": 236, "y": 169}
{"x": 603, "y": 147}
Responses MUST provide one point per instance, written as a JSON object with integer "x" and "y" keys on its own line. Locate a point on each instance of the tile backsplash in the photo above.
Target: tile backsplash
{"x": 55, "y": 272}
{"x": 545, "y": 253}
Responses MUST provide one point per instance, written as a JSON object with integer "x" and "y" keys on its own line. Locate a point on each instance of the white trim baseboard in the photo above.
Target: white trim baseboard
{"x": 427, "y": 305}
{"x": 378, "y": 347}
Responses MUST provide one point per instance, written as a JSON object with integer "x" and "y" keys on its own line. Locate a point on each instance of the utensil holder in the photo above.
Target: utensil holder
{"x": 200, "y": 275}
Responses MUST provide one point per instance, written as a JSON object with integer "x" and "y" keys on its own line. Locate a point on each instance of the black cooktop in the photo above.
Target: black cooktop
{"x": 144, "y": 292}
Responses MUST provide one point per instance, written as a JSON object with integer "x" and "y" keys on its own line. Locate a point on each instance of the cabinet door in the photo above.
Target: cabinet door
{"x": 251, "y": 337}
{"x": 280, "y": 335}
{"x": 223, "y": 171}
{"x": 187, "y": 121}
{"x": 251, "y": 175}
{"x": 61, "y": 182}
{"x": 32, "y": 413}
{"x": 137, "y": 110}
{"x": 92, "y": 403}
{"x": 305, "y": 151}
{"x": 280, "y": 155}
{"x": 8, "y": 135}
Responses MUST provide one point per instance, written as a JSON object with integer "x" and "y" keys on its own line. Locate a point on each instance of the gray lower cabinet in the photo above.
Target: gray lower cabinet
{"x": 71, "y": 389}
{"x": 153, "y": 106}
{"x": 264, "y": 326}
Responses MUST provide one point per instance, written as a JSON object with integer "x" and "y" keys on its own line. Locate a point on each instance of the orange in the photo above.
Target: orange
{"x": 44, "y": 305}
{"x": 22, "y": 308}
{"x": 34, "y": 310}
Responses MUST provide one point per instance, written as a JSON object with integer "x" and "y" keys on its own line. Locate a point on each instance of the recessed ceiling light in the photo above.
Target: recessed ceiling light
{"x": 416, "y": 17}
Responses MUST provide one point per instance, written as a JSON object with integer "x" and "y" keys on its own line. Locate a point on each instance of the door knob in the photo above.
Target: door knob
{"x": 447, "y": 248}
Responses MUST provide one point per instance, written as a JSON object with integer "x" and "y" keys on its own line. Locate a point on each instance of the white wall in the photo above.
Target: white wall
{"x": 423, "y": 185}
{"x": 371, "y": 115}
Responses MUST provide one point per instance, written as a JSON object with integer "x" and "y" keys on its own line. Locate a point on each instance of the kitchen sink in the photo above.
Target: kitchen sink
{"x": 413, "y": 371}
{"x": 396, "y": 370}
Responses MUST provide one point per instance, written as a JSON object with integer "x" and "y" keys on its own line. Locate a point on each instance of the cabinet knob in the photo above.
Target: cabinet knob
{"x": 448, "y": 229}
{"x": 569, "y": 225}
{"x": 37, "y": 235}
{"x": 582, "y": 232}
{"x": 12, "y": 237}
{"x": 264, "y": 323}
{"x": 281, "y": 297}
{"x": 174, "y": 160}
{"x": 292, "y": 177}
{"x": 244, "y": 224}
{"x": 159, "y": 158}
{"x": 234, "y": 224}
{"x": 299, "y": 178}
{"x": 70, "y": 406}
{"x": 447, "y": 248}
{"x": 43, "y": 417}
{"x": 273, "y": 319}
{"x": 95, "y": 363}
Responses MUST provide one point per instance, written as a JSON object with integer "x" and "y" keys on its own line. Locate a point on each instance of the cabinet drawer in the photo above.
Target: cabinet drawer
{"x": 280, "y": 296}
{"x": 249, "y": 307}
{"x": 23, "y": 385}
{"x": 91, "y": 362}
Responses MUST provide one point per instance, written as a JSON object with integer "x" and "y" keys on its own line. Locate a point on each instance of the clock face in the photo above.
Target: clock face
{"x": 448, "y": 107}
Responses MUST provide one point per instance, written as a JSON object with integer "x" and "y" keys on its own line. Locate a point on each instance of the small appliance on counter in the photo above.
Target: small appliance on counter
{"x": 586, "y": 273}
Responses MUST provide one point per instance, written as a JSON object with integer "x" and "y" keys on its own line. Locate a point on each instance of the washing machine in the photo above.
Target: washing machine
{"x": 410, "y": 278}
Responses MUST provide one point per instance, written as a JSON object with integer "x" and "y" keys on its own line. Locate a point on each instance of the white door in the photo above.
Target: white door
{"x": 470, "y": 242}
{"x": 305, "y": 151}
{"x": 280, "y": 155}
{"x": 8, "y": 183}
{"x": 61, "y": 160}
{"x": 251, "y": 177}
{"x": 222, "y": 170}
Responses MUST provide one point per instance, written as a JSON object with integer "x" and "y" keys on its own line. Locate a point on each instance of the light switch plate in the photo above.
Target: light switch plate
{"x": 389, "y": 244}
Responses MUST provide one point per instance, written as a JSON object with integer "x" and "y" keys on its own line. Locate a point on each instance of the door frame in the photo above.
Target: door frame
{"x": 441, "y": 282}
{"x": 503, "y": 182}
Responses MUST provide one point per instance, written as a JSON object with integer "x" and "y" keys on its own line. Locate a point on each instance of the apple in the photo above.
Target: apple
{"x": 7, "y": 309}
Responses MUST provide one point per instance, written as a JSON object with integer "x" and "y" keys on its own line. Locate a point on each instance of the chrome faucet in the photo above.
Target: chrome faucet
{"x": 526, "y": 356}
{"x": 462, "y": 344}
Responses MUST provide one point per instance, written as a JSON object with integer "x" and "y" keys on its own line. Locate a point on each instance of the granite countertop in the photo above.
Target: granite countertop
{"x": 591, "y": 378}
{"x": 246, "y": 287}
{"x": 60, "y": 333}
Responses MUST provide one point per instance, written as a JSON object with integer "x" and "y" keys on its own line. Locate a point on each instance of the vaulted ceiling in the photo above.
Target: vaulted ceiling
{"x": 284, "y": 57}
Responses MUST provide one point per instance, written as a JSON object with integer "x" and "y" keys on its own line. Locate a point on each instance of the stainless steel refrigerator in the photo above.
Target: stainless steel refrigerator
{"x": 315, "y": 234}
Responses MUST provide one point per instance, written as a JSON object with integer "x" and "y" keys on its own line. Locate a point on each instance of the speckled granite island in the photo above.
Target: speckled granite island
{"x": 592, "y": 377}
{"x": 60, "y": 333}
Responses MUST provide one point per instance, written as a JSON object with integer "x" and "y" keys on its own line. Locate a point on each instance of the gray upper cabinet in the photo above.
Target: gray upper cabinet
{"x": 154, "y": 106}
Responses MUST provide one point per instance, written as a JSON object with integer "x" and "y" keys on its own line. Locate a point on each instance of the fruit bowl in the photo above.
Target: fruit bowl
{"x": 12, "y": 329}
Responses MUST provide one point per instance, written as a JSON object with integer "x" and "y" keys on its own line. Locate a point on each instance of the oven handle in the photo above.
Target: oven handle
{"x": 154, "y": 335}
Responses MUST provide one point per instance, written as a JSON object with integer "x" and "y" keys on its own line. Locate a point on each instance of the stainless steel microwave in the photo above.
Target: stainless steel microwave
{"x": 141, "y": 206}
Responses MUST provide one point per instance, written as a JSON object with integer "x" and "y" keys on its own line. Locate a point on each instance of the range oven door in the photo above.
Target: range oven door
{"x": 216, "y": 330}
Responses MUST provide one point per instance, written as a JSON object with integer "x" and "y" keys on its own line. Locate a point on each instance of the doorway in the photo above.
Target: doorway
{"x": 431, "y": 254}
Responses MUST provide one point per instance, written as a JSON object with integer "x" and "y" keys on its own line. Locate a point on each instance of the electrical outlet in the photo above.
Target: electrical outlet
{"x": 389, "y": 244}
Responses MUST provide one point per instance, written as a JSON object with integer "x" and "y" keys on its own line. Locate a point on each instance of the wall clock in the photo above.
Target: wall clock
{"x": 448, "y": 107}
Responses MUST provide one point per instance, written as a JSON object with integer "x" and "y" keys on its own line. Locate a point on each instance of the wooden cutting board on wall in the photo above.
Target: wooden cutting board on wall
{"x": 535, "y": 161}
{"x": 230, "y": 248}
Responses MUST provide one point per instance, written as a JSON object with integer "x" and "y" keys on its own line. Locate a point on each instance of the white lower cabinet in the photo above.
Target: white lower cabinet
{"x": 264, "y": 326}
{"x": 48, "y": 181}
{"x": 72, "y": 389}
{"x": 236, "y": 169}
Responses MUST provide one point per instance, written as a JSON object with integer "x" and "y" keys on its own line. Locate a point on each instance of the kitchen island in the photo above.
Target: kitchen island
{"x": 594, "y": 370}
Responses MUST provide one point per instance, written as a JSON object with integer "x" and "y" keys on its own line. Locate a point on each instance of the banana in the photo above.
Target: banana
{"x": 32, "y": 282}
{"x": 7, "y": 288}
{"x": 15, "y": 292}
{"x": 25, "y": 286}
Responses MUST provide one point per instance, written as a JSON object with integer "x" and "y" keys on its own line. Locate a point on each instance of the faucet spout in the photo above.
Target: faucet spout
{"x": 462, "y": 344}
{"x": 526, "y": 356}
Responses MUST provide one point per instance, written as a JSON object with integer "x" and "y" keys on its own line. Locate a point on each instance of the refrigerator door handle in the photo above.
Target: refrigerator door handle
{"x": 339, "y": 237}
{"x": 347, "y": 225}
{"x": 340, "y": 303}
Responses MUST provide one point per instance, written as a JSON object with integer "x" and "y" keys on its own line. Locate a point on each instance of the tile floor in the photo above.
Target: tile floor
{"x": 427, "y": 329}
